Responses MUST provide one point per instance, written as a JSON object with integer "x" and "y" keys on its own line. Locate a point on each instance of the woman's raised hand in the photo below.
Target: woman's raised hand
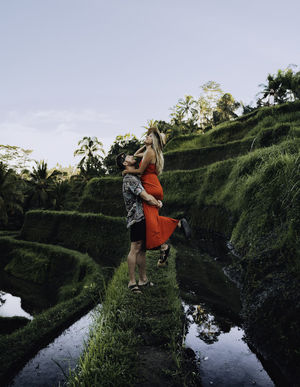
{"x": 139, "y": 152}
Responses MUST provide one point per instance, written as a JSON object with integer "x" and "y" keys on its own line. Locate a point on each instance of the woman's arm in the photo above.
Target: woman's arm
{"x": 145, "y": 162}
{"x": 139, "y": 152}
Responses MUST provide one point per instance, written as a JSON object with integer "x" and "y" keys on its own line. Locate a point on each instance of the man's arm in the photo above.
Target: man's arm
{"x": 150, "y": 199}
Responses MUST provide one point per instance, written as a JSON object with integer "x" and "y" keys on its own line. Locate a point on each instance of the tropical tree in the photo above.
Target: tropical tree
{"x": 170, "y": 129}
{"x": 91, "y": 164}
{"x": 207, "y": 103}
{"x": 41, "y": 185}
{"x": 16, "y": 157}
{"x": 225, "y": 110}
{"x": 247, "y": 108}
{"x": 150, "y": 124}
{"x": 11, "y": 196}
{"x": 285, "y": 85}
{"x": 295, "y": 85}
{"x": 187, "y": 108}
{"x": 60, "y": 191}
{"x": 128, "y": 144}
{"x": 66, "y": 172}
{"x": 177, "y": 116}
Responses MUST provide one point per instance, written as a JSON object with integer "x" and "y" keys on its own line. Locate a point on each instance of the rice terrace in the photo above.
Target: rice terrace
{"x": 168, "y": 257}
{"x": 243, "y": 204}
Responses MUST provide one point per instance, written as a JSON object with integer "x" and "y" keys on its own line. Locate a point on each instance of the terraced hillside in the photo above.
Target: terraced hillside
{"x": 242, "y": 179}
{"x": 59, "y": 265}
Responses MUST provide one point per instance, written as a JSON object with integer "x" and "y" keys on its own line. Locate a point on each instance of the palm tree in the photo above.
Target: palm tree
{"x": 11, "y": 196}
{"x": 176, "y": 116}
{"x": 151, "y": 124}
{"x": 90, "y": 146}
{"x": 41, "y": 186}
{"x": 91, "y": 165}
{"x": 187, "y": 107}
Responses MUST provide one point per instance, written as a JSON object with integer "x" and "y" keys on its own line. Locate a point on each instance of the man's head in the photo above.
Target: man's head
{"x": 123, "y": 161}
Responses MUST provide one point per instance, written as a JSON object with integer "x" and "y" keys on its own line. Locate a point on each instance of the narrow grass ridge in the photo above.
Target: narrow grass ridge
{"x": 134, "y": 331}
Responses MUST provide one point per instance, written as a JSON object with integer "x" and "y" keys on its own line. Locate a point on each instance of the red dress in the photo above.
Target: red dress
{"x": 158, "y": 228}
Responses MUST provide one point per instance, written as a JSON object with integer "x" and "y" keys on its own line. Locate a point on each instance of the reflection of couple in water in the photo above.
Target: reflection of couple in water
{"x": 143, "y": 197}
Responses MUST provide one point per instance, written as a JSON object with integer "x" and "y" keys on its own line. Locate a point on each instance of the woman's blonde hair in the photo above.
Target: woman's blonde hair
{"x": 157, "y": 144}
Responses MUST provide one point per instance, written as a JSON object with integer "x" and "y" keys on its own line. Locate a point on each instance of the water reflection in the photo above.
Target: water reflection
{"x": 10, "y": 306}
{"x": 35, "y": 298}
{"x": 211, "y": 303}
{"x": 207, "y": 329}
{"x": 224, "y": 359}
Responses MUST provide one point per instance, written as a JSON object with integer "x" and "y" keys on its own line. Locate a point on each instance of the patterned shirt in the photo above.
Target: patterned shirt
{"x": 132, "y": 187}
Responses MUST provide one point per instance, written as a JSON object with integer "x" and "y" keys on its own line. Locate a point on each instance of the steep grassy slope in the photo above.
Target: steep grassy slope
{"x": 246, "y": 126}
{"x": 254, "y": 200}
{"x": 242, "y": 179}
{"x": 261, "y": 128}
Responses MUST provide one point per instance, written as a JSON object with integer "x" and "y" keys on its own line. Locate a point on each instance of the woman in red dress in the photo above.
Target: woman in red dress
{"x": 158, "y": 228}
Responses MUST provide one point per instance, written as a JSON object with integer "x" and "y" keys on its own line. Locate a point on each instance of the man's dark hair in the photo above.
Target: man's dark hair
{"x": 120, "y": 160}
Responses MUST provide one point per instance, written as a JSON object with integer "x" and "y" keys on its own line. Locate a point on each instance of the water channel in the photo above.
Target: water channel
{"x": 214, "y": 329}
{"x": 52, "y": 364}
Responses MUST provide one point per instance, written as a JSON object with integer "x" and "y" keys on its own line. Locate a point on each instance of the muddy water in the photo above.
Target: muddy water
{"x": 214, "y": 329}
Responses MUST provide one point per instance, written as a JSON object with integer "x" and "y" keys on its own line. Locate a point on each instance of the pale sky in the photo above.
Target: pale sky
{"x": 74, "y": 68}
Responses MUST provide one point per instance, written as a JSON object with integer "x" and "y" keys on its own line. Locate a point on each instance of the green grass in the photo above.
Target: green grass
{"x": 254, "y": 200}
{"x": 96, "y": 193}
{"x": 246, "y": 126}
{"x": 195, "y": 158}
{"x": 104, "y": 238}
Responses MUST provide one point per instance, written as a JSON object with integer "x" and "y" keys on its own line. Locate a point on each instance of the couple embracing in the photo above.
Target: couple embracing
{"x": 143, "y": 198}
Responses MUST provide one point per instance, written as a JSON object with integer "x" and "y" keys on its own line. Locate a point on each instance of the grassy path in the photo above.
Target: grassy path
{"x": 136, "y": 339}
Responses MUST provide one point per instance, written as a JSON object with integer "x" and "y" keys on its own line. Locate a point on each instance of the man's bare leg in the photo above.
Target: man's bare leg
{"x": 141, "y": 261}
{"x": 132, "y": 260}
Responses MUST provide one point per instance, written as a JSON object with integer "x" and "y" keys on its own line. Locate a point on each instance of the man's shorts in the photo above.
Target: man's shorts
{"x": 138, "y": 231}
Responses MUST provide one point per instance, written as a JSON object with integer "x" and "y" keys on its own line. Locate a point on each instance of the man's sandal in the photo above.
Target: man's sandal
{"x": 134, "y": 289}
{"x": 164, "y": 254}
{"x": 162, "y": 264}
{"x": 146, "y": 284}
